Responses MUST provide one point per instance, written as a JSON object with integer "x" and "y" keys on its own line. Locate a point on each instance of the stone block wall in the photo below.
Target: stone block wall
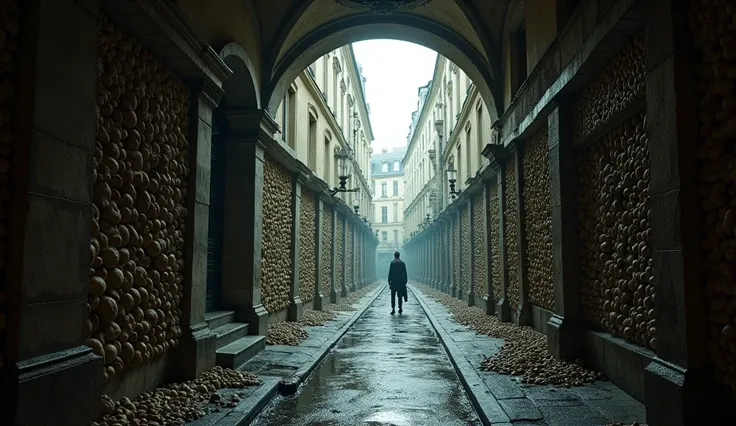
{"x": 307, "y": 247}
{"x": 8, "y": 51}
{"x": 538, "y": 220}
{"x": 276, "y": 260}
{"x": 140, "y": 174}
{"x": 510, "y": 236}
{"x": 456, "y": 251}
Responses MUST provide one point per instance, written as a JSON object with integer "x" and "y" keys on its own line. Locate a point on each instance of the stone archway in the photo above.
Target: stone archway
{"x": 443, "y": 26}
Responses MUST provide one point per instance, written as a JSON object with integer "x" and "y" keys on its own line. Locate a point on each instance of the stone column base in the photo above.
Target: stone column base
{"x": 196, "y": 352}
{"x": 503, "y": 310}
{"x": 460, "y": 294}
{"x": 678, "y": 397}
{"x": 256, "y": 317}
{"x": 352, "y": 287}
{"x": 333, "y": 297}
{"x": 344, "y": 292}
{"x": 59, "y": 388}
{"x": 564, "y": 338}
{"x": 295, "y": 311}
{"x": 490, "y": 306}
{"x": 318, "y": 302}
{"x": 524, "y": 315}
{"x": 453, "y": 291}
{"x": 471, "y": 299}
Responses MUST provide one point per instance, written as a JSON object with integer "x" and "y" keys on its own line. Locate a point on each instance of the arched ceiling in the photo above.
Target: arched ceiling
{"x": 280, "y": 36}
{"x": 322, "y": 12}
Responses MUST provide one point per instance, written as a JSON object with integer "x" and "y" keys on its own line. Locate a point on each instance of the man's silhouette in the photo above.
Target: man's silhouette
{"x": 397, "y": 281}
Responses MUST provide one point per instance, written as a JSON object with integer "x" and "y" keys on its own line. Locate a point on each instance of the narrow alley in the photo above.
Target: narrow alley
{"x": 387, "y": 370}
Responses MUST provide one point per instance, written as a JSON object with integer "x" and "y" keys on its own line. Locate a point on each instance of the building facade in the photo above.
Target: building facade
{"x": 388, "y": 180}
{"x": 323, "y": 111}
{"x": 449, "y": 129}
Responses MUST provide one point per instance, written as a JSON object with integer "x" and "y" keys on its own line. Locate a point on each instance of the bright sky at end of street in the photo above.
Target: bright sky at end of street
{"x": 394, "y": 72}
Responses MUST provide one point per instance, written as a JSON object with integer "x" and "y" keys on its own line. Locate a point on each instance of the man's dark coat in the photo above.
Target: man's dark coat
{"x": 397, "y": 278}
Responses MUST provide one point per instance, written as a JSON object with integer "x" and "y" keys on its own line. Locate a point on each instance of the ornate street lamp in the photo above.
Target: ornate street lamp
{"x": 452, "y": 178}
{"x": 343, "y": 173}
{"x": 356, "y": 205}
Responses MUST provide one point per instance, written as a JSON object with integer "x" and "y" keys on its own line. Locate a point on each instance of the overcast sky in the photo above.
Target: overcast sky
{"x": 394, "y": 71}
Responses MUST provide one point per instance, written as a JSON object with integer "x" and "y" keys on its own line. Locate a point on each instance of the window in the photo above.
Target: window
{"x": 396, "y": 188}
{"x": 384, "y": 234}
{"x": 384, "y": 167}
{"x": 517, "y": 48}
{"x": 327, "y": 173}
{"x": 467, "y": 152}
{"x": 396, "y": 212}
{"x": 383, "y": 189}
{"x": 479, "y": 125}
{"x": 384, "y": 214}
{"x": 312, "y": 154}
{"x": 397, "y": 166}
{"x": 396, "y": 236}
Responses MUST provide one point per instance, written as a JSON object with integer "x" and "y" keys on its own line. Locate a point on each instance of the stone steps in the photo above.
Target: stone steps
{"x": 234, "y": 346}
{"x": 240, "y": 351}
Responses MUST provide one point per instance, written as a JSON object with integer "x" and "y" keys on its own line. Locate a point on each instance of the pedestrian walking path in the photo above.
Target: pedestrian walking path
{"x": 386, "y": 370}
{"x": 503, "y": 400}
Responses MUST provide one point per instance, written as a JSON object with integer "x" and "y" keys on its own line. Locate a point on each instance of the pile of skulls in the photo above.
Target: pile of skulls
{"x": 524, "y": 352}
{"x": 348, "y": 302}
{"x": 286, "y": 333}
{"x": 307, "y": 248}
{"x": 317, "y": 318}
{"x": 276, "y": 261}
{"x": 510, "y": 233}
{"x": 175, "y": 404}
{"x": 494, "y": 236}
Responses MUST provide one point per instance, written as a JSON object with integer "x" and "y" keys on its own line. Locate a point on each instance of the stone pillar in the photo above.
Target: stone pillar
{"x": 678, "y": 388}
{"x": 295, "y": 310}
{"x": 196, "y": 351}
{"x": 460, "y": 270}
{"x": 243, "y": 217}
{"x": 318, "y": 226}
{"x": 525, "y": 306}
{"x": 490, "y": 303}
{"x": 50, "y": 217}
{"x": 441, "y": 248}
{"x": 503, "y": 309}
{"x": 334, "y": 277}
{"x": 354, "y": 255}
{"x": 448, "y": 257}
{"x": 565, "y": 327}
{"x": 471, "y": 255}
{"x": 453, "y": 250}
{"x": 345, "y": 272}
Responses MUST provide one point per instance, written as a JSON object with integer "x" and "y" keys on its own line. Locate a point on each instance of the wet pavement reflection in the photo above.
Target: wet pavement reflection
{"x": 387, "y": 370}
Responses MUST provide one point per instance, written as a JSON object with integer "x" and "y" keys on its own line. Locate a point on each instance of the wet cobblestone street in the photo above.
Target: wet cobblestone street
{"x": 387, "y": 370}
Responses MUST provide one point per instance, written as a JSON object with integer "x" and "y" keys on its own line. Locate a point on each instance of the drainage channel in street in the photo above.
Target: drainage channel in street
{"x": 386, "y": 370}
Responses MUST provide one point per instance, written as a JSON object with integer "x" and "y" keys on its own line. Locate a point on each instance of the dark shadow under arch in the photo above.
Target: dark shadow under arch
{"x": 408, "y": 28}
{"x": 241, "y": 89}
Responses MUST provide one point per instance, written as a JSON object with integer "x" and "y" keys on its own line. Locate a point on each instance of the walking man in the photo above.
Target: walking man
{"x": 397, "y": 279}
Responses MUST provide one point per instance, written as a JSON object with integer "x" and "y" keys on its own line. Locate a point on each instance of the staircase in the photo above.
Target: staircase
{"x": 234, "y": 346}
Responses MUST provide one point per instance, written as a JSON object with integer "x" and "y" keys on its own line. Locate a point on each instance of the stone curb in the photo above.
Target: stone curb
{"x": 485, "y": 403}
{"x": 252, "y": 406}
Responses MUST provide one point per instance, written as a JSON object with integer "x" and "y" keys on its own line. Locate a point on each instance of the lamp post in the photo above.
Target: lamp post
{"x": 452, "y": 178}
{"x": 356, "y": 205}
{"x": 343, "y": 172}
